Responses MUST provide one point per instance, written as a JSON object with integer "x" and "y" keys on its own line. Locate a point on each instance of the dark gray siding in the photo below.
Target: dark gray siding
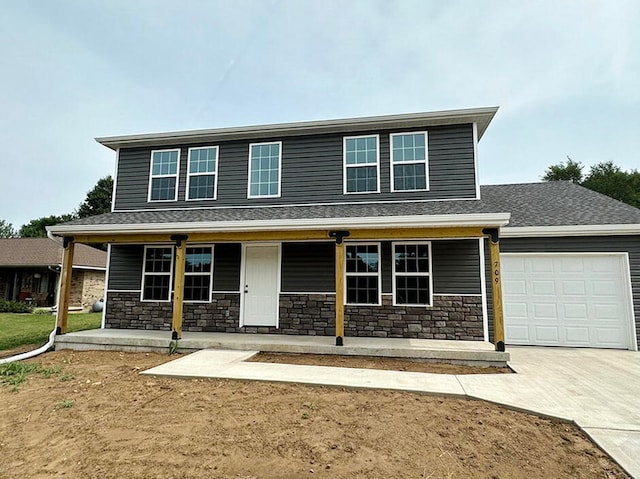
{"x": 125, "y": 267}
{"x": 226, "y": 266}
{"x": 308, "y": 267}
{"x": 311, "y": 171}
{"x": 595, "y": 244}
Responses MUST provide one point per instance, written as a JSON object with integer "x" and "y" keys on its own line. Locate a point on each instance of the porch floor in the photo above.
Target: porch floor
{"x": 459, "y": 352}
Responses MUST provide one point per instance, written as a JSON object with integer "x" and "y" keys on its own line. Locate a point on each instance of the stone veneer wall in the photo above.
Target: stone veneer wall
{"x": 451, "y": 317}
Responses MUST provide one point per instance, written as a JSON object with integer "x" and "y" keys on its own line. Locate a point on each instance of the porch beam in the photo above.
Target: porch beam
{"x": 339, "y": 293}
{"x": 302, "y": 235}
{"x": 65, "y": 285}
{"x": 178, "y": 294}
{"x": 496, "y": 288}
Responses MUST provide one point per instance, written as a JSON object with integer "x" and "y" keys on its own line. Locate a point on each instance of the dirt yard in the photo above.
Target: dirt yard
{"x": 98, "y": 418}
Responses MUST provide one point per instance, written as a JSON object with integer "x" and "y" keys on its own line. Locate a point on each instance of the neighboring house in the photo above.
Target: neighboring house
{"x": 30, "y": 272}
{"x": 265, "y": 229}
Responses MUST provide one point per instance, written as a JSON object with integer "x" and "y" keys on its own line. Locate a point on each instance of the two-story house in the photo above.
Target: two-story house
{"x": 358, "y": 227}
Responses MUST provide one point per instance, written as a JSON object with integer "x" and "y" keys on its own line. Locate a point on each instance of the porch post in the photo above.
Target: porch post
{"x": 65, "y": 285}
{"x": 496, "y": 288}
{"x": 178, "y": 295}
{"x": 339, "y": 279}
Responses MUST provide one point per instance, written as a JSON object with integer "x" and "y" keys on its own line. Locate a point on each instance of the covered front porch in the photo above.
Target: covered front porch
{"x": 475, "y": 353}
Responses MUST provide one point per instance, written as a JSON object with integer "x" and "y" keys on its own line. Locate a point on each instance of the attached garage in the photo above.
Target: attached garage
{"x": 568, "y": 299}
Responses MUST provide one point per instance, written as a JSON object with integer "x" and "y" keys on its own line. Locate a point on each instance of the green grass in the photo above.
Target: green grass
{"x": 14, "y": 374}
{"x": 19, "y": 329}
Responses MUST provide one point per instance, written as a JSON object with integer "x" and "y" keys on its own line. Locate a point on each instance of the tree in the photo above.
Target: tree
{"x": 606, "y": 178}
{"x": 571, "y": 171}
{"x": 6, "y": 230}
{"x": 98, "y": 200}
{"x": 37, "y": 228}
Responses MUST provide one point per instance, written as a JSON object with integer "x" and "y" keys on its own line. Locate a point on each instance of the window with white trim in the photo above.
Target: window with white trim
{"x": 409, "y": 167}
{"x": 362, "y": 273}
{"x": 202, "y": 170}
{"x": 361, "y": 164}
{"x": 157, "y": 272}
{"x": 198, "y": 271}
{"x": 264, "y": 170}
{"x": 163, "y": 178}
{"x": 412, "y": 274}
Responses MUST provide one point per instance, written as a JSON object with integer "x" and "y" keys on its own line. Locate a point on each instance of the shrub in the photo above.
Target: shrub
{"x": 13, "y": 307}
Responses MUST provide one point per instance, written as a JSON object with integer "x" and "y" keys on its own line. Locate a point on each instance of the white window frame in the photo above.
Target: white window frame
{"x": 345, "y": 166}
{"x": 213, "y": 173}
{"x": 153, "y": 177}
{"x": 378, "y": 273}
{"x": 251, "y": 145}
{"x": 395, "y": 274}
{"x": 145, "y": 274}
{"x": 210, "y": 273}
{"x": 414, "y": 162}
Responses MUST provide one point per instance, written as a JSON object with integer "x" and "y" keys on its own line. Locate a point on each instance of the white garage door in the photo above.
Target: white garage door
{"x": 577, "y": 300}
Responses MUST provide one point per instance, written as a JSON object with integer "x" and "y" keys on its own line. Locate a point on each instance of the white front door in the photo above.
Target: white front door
{"x": 261, "y": 282}
{"x": 560, "y": 299}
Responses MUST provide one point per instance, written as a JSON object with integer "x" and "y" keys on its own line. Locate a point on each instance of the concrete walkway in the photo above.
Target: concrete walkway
{"x": 597, "y": 389}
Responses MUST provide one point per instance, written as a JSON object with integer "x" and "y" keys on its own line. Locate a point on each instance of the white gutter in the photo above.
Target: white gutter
{"x": 573, "y": 230}
{"x": 413, "y": 221}
{"x": 35, "y": 352}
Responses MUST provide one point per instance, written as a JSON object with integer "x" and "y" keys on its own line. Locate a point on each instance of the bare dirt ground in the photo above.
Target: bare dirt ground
{"x": 98, "y": 418}
{"x": 366, "y": 362}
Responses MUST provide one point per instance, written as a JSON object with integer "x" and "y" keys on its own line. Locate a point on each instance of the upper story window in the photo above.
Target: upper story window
{"x": 157, "y": 272}
{"x": 202, "y": 176}
{"x": 163, "y": 180}
{"x": 409, "y": 162}
{"x": 362, "y": 273}
{"x": 264, "y": 170}
{"x": 361, "y": 164}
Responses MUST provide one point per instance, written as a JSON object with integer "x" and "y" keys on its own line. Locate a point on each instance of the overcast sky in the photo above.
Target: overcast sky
{"x": 565, "y": 74}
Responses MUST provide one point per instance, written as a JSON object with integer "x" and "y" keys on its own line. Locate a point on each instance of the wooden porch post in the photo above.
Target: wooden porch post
{"x": 339, "y": 279}
{"x": 65, "y": 285}
{"x": 178, "y": 295}
{"x": 496, "y": 288}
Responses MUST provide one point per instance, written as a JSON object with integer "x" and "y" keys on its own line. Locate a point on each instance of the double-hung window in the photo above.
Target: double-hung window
{"x": 412, "y": 283}
{"x": 362, "y": 271}
{"x": 163, "y": 178}
{"x": 197, "y": 273}
{"x": 202, "y": 173}
{"x": 264, "y": 170}
{"x": 361, "y": 164}
{"x": 157, "y": 272}
{"x": 409, "y": 164}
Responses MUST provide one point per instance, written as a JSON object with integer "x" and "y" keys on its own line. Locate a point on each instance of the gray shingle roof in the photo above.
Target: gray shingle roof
{"x": 530, "y": 204}
{"x": 46, "y": 252}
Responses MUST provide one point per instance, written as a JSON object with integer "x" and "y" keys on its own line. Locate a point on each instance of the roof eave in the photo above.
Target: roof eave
{"x": 570, "y": 230}
{"x": 481, "y": 116}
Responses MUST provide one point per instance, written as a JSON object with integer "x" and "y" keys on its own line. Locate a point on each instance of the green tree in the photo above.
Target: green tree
{"x": 569, "y": 171}
{"x": 6, "y": 230}
{"x": 38, "y": 228}
{"x": 98, "y": 200}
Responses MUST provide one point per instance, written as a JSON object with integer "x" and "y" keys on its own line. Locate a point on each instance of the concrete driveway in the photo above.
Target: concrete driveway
{"x": 597, "y": 389}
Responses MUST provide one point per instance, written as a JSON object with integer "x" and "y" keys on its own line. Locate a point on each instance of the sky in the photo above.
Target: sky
{"x": 565, "y": 74}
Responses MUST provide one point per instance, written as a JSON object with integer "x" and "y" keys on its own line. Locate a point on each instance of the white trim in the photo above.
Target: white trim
{"x": 475, "y": 161}
{"x": 124, "y": 290}
{"x": 103, "y": 320}
{"x": 225, "y": 292}
{"x": 249, "y": 195}
{"x": 378, "y": 273}
{"x": 243, "y": 265}
{"x": 482, "y": 116}
{"x": 213, "y": 173}
{"x": 413, "y": 221}
{"x": 572, "y": 230}
{"x": 210, "y": 274}
{"x": 394, "y": 273}
{"x": 425, "y": 162}
{"x": 483, "y": 289}
{"x": 90, "y": 268}
{"x": 144, "y": 266}
{"x": 308, "y": 292}
{"x": 633, "y": 327}
{"x": 357, "y": 165}
{"x": 115, "y": 181}
{"x": 152, "y": 176}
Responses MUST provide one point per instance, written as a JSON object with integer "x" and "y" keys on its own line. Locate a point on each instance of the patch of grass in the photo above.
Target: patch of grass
{"x": 66, "y": 377}
{"x": 14, "y": 374}
{"x": 19, "y": 329}
{"x": 65, "y": 404}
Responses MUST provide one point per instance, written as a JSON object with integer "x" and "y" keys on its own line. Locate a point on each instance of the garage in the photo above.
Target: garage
{"x": 568, "y": 299}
